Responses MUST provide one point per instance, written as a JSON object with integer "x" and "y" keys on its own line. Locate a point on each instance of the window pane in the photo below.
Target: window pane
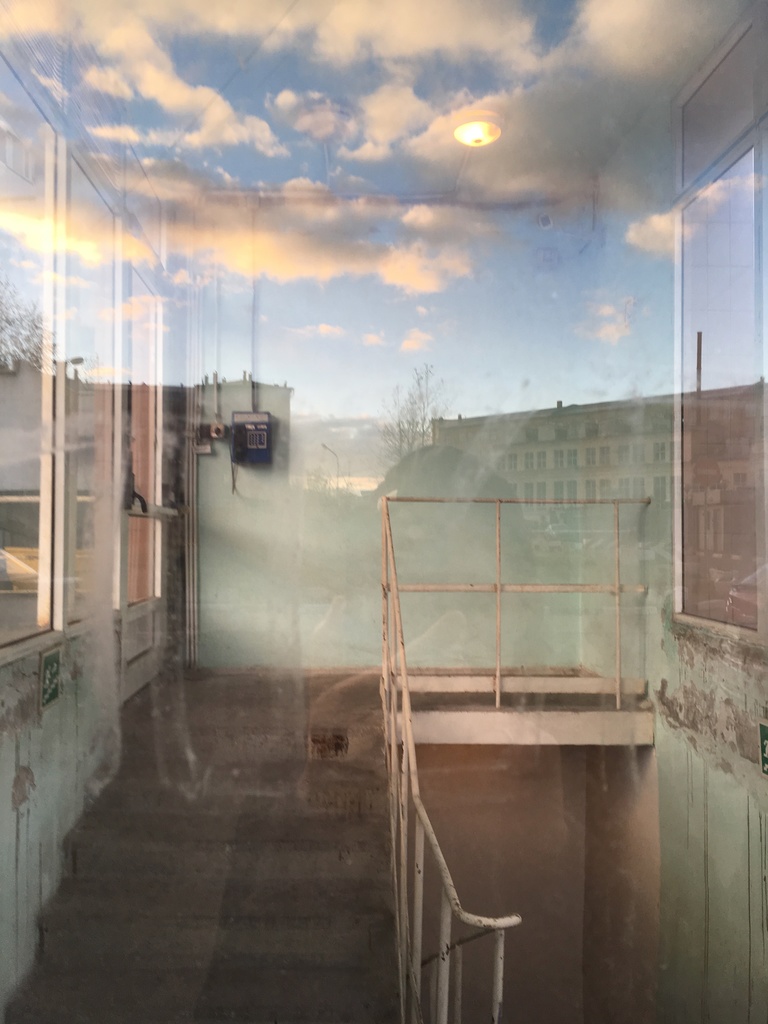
{"x": 88, "y": 382}
{"x": 26, "y": 146}
{"x": 142, "y": 397}
{"x": 722, "y": 398}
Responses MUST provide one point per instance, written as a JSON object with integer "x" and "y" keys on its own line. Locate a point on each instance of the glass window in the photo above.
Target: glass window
{"x": 571, "y": 489}
{"x": 559, "y": 455}
{"x": 572, "y": 457}
{"x": 143, "y": 421}
{"x": 559, "y": 490}
{"x": 529, "y": 460}
{"x": 541, "y": 460}
{"x": 605, "y": 455}
{"x": 27, "y": 145}
{"x": 722, "y": 394}
{"x": 590, "y": 489}
{"x": 590, "y": 457}
{"x": 88, "y": 381}
{"x": 541, "y": 489}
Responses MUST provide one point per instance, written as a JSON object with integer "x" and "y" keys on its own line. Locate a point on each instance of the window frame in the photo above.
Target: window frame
{"x": 751, "y": 136}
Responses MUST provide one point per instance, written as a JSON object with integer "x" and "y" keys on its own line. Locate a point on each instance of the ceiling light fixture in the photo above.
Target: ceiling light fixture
{"x": 480, "y": 129}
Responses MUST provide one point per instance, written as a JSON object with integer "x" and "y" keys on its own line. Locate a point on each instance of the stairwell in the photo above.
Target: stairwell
{"x": 237, "y": 867}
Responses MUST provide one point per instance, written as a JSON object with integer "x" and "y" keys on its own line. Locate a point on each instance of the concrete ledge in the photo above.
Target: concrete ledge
{"x": 534, "y": 728}
{"x": 446, "y": 681}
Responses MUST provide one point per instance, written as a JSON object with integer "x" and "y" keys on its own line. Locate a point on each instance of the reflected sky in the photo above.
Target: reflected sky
{"x": 337, "y": 232}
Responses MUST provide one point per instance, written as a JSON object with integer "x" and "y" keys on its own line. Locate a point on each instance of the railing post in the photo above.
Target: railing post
{"x": 617, "y": 599}
{"x": 498, "y": 603}
{"x": 458, "y": 974}
{"x": 385, "y": 661}
{"x": 498, "y": 976}
{"x": 444, "y": 960}
{"x": 403, "y": 894}
{"x": 418, "y": 916}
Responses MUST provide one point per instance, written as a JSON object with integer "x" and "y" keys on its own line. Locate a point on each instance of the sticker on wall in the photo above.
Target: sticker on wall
{"x": 763, "y": 727}
{"x": 50, "y": 677}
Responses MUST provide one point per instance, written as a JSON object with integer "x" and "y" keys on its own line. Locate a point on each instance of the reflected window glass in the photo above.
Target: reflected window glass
{"x": 722, "y": 400}
{"x": 26, "y": 251}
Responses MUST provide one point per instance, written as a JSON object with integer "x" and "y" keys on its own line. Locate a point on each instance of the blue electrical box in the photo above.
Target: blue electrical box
{"x": 251, "y": 438}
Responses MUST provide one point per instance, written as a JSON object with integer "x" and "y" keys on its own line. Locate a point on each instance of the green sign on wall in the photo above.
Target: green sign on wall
{"x": 764, "y": 747}
{"x": 50, "y": 677}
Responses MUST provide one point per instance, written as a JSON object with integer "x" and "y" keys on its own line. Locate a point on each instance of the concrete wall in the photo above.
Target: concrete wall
{"x": 713, "y": 803}
{"x": 50, "y": 760}
{"x": 247, "y": 536}
{"x": 568, "y": 837}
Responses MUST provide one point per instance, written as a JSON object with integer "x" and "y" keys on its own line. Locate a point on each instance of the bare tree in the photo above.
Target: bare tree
{"x": 407, "y": 421}
{"x": 21, "y": 328}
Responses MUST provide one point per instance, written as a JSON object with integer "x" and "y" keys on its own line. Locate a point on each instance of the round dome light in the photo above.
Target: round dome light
{"x": 477, "y": 133}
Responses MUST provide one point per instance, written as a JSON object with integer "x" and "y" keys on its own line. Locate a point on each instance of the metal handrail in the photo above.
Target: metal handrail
{"x": 404, "y": 789}
{"x": 615, "y": 588}
{"x": 403, "y": 773}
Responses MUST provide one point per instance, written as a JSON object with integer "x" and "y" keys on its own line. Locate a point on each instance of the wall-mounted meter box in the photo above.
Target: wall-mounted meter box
{"x": 251, "y": 438}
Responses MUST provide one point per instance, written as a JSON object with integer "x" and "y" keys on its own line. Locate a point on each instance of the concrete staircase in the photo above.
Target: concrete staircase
{"x": 236, "y": 869}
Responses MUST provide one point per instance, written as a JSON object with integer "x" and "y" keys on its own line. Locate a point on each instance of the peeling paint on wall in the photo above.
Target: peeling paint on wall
{"x": 23, "y": 784}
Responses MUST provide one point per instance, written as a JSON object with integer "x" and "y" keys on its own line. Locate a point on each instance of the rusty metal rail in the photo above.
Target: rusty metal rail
{"x": 613, "y": 588}
{"x": 404, "y": 792}
{"x": 409, "y": 853}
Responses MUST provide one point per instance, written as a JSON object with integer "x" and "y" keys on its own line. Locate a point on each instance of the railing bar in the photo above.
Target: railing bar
{"x": 521, "y": 588}
{"x": 498, "y": 605}
{"x": 418, "y": 911}
{"x": 498, "y": 977}
{"x": 519, "y": 501}
{"x": 396, "y": 666}
{"x": 403, "y": 909}
{"x": 617, "y": 585}
{"x": 444, "y": 963}
{"x": 463, "y": 941}
{"x": 458, "y": 976}
{"x": 417, "y": 1014}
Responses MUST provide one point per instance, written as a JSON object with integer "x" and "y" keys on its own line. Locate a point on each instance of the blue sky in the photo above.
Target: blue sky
{"x": 307, "y": 145}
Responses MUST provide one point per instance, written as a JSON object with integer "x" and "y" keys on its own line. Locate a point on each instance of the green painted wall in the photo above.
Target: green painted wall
{"x": 50, "y": 761}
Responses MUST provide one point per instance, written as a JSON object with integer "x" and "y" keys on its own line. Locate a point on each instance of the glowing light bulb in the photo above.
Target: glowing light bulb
{"x": 477, "y": 133}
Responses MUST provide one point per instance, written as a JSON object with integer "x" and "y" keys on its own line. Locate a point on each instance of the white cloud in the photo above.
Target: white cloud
{"x": 608, "y": 322}
{"x": 108, "y": 81}
{"x": 655, "y": 234}
{"x": 53, "y": 85}
{"x": 313, "y": 114}
{"x": 391, "y": 113}
{"x": 373, "y": 340}
{"x": 116, "y": 133}
{"x": 319, "y": 330}
{"x": 302, "y": 231}
{"x": 416, "y": 340}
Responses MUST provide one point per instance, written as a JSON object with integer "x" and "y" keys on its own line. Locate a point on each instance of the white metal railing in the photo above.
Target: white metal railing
{"x": 614, "y": 587}
{"x": 403, "y": 793}
{"x": 409, "y": 855}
